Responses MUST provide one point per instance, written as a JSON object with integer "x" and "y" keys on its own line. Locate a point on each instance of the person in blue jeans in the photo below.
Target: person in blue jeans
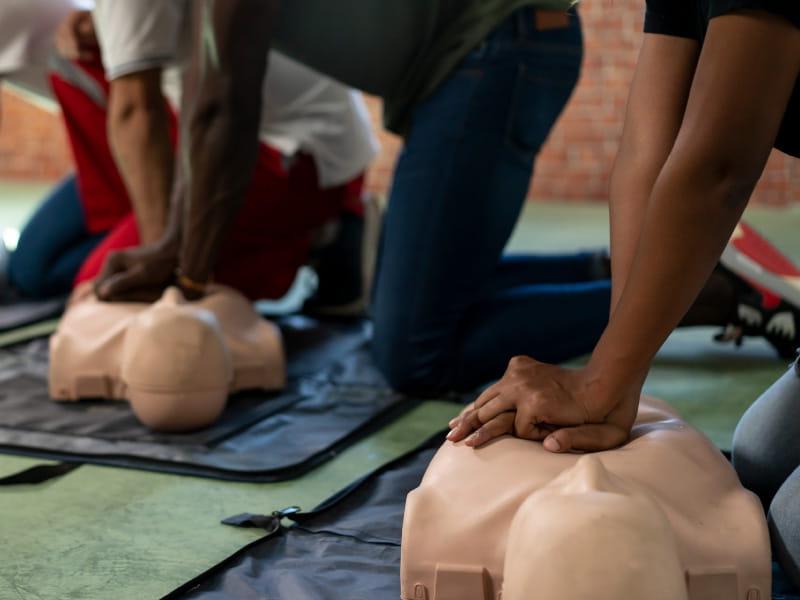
{"x": 449, "y": 307}
{"x": 474, "y": 87}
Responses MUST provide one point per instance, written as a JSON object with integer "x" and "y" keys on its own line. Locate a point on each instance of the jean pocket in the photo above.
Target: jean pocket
{"x": 540, "y": 95}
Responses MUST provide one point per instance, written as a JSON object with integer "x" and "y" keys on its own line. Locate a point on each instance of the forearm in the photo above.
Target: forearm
{"x": 232, "y": 42}
{"x": 631, "y": 186}
{"x": 140, "y": 140}
{"x": 689, "y": 219}
{"x": 653, "y": 116}
{"x": 733, "y": 113}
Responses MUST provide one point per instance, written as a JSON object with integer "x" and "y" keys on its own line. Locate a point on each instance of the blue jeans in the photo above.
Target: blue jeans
{"x": 52, "y": 245}
{"x": 449, "y": 308}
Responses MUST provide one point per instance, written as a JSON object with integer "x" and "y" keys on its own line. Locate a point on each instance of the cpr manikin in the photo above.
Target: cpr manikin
{"x": 662, "y": 518}
{"x": 175, "y": 361}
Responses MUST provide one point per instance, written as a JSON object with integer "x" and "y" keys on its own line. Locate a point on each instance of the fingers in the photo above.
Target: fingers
{"x": 75, "y": 38}
{"x": 119, "y": 285}
{"x": 464, "y": 425}
{"x": 501, "y": 425}
{"x": 529, "y": 428}
{"x": 589, "y": 438}
{"x": 489, "y": 393}
{"x": 452, "y": 423}
{"x": 115, "y": 263}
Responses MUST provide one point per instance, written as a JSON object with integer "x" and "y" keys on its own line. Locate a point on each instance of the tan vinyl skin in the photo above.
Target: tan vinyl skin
{"x": 664, "y": 517}
{"x": 176, "y": 362}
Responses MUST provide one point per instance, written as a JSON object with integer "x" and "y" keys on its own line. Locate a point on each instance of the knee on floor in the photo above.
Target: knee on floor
{"x": 406, "y": 373}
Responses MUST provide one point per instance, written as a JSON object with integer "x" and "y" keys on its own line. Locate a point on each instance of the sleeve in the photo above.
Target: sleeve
{"x": 136, "y": 35}
{"x": 789, "y": 9}
{"x": 678, "y": 18}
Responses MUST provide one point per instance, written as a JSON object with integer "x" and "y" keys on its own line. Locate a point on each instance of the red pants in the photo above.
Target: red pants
{"x": 271, "y": 236}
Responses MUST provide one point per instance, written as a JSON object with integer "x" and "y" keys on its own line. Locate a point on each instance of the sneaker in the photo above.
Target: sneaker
{"x": 762, "y": 265}
{"x": 344, "y": 260}
{"x": 769, "y": 298}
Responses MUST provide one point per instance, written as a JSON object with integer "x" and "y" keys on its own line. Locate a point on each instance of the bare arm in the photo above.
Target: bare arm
{"x": 229, "y": 66}
{"x": 138, "y": 131}
{"x": 656, "y": 104}
{"x": 747, "y": 69}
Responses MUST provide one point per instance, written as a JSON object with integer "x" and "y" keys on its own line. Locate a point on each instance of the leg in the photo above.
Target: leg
{"x": 522, "y": 269}
{"x": 459, "y": 185}
{"x": 766, "y": 445}
{"x": 784, "y": 526}
{"x": 52, "y": 245}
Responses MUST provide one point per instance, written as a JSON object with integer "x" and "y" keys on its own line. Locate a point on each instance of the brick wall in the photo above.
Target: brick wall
{"x": 574, "y": 165}
{"x": 33, "y": 143}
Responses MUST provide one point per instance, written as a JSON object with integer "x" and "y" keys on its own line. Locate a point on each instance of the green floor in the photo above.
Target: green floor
{"x": 102, "y": 533}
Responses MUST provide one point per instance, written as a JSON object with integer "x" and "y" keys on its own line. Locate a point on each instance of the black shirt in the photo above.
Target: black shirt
{"x": 689, "y": 18}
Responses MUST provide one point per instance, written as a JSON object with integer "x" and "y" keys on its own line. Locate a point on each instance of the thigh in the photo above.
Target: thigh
{"x": 459, "y": 186}
{"x": 766, "y": 445}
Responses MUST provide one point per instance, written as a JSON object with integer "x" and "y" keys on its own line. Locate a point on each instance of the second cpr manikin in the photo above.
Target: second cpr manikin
{"x": 175, "y": 361}
{"x": 662, "y": 518}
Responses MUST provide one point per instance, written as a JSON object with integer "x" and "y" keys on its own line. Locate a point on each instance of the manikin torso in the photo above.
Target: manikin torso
{"x": 662, "y": 518}
{"x": 175, "y": 361}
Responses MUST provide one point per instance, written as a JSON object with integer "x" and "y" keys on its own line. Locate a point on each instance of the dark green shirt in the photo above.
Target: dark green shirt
{"x": 397, "y": 49}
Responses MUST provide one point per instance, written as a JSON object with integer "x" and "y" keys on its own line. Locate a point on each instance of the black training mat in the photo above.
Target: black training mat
{"x": 335, "y": 395}
{"x": 348, "y": 547}
{"x": 19, "y": 313}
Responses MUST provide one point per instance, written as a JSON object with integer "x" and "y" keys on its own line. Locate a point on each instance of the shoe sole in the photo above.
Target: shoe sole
{"x": 753, "y": 258}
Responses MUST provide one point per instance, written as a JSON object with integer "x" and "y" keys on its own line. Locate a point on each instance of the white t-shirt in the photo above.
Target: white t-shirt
{"x": 302, "y": 110}
{"x": 27, "y": 28}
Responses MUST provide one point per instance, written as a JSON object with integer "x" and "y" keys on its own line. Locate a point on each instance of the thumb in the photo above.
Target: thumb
{"x": 115, "y": 286}
{"x": 591, "y": 438}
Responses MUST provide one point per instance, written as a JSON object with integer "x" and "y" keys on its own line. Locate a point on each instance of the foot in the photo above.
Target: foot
{"x": 345, "y": 264}
{"x": 758, "y": 314}
{"x": 768, "y": 301}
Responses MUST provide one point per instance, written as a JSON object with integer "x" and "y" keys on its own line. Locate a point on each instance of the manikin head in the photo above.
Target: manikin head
{"x": 176, "y": 365}
{"x": 589, "y": 535}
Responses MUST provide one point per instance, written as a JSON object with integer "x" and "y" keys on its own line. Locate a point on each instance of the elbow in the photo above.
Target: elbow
{"x": 724, "y": 169}
{"x": 138, "y": 111}
{"x": 223, "y": 114}
{"x": 732, "y": 180}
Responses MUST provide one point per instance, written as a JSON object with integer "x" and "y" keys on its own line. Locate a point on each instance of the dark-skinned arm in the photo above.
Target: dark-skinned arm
{"x": 747, "y": 69}
{"x": 230, "y": 64}
{"x": 656, "y": 104}
{"x": 138, "y": 133}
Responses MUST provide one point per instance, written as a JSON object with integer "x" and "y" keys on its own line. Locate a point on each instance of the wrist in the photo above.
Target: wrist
{"x": 608, "y": 384}
{"x": 191, "y": 288}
